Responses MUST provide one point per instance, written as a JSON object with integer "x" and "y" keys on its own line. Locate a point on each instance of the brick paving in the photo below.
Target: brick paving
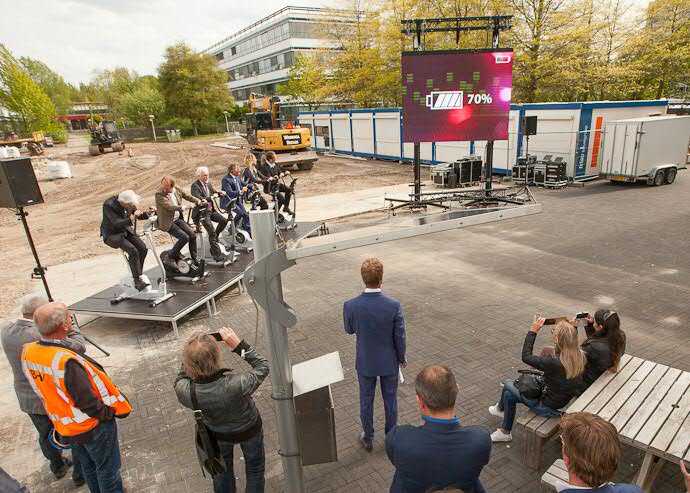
{"x": 469, "y": 296}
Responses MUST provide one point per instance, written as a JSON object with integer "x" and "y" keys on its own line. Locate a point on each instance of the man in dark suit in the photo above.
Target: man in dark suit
{"x": 14, "y": 336}
{"x": 380, "y": 328}
{"x": 235, "y": 189}
{"x": 440, "y": 454}
{"x": 272, "y": 171}
{"x": 207, "y": 215}
{"x": 117, "y": 230}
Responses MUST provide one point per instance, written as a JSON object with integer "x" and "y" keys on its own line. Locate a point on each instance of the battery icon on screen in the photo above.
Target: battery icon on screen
{"x": 444, "y": 100}
{"x": 502, "y": 58}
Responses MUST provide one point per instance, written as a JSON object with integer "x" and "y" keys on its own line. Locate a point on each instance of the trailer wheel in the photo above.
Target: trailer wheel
{"x": 659, "y": 178}
{"x": 117, "y": 147}
{"x": 93, "y": 150}
{"x": 671, "y": 175}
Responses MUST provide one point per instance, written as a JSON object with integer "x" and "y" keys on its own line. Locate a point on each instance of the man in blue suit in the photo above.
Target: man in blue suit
{"x": 380, "y": 328}
{"x": 440, "y": 454}
{"x": 234, "y": 188}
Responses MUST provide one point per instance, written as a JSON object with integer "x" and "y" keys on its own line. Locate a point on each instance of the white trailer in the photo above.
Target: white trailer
{"x": 650, "y": 149}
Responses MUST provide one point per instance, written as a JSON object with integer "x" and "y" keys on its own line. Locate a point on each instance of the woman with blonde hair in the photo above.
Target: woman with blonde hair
{"x": 255, "y": 181}
{"x": 563, "y": 372}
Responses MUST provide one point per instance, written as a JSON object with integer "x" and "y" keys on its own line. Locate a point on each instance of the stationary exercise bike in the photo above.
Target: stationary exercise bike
{"x": 129, "y": 291}
{"x": 183, "y": 268}
{"x": 234, "y": 238}
{"x": 282, "y": 222}
{"x": 203, "y": 244}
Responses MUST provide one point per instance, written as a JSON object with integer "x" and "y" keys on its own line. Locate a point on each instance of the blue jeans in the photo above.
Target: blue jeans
{"x": 254, "y": 465}
{"x": 367, "y": 391}
{"x": 100, "y": 460}
{"x": 510, "y": 396}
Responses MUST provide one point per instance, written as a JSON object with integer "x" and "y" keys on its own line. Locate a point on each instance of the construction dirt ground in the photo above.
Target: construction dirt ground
{"x": 66, "y": 226}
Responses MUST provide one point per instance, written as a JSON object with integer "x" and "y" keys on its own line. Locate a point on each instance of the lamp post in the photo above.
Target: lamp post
{"x": 153, "y": 128}
{"x": 227, "y": 127}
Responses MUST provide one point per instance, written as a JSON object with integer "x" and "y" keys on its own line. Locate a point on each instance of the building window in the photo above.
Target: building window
{"x": 220, "y": 56}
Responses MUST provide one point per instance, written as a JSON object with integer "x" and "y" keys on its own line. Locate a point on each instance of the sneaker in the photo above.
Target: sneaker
{"x": 499, "y": 436}
{"x": 366, "y": 444}
{"x": 495, "y": 411}
{"x": 66, "y": 464}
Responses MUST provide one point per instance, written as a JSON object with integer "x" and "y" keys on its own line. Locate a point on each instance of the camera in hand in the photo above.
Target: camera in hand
{"x": 216, "y": 336}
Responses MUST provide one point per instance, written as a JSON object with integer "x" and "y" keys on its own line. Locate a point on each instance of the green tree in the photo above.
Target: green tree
{"x": 306, "y": 79}
{"x": 59, "y": 92}
{"x": 192, "y": 84}
{"x": 30, "y": 107}
{"x": 136, "y": 106}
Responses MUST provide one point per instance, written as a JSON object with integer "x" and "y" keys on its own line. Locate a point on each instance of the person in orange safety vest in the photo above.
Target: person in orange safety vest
{"x": 80, "y": 399}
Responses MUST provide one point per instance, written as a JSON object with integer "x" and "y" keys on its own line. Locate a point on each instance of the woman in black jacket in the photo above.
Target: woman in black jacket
{"x": 253, "y": 178}
{"x": 562, "y": 378}
{"x": 604, "y": 346}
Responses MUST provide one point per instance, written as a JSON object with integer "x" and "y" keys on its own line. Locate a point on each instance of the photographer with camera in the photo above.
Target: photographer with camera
{"x": 224, "y": 398}
{"x": 604, "y": 346}
{"x": 562, "y": 378}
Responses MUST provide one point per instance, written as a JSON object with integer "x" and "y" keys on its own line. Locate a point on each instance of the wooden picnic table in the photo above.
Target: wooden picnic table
{"x": 649, "y": 404}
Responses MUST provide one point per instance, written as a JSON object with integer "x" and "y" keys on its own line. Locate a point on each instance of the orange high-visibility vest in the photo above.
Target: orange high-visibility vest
{"x": 44, "y": 367}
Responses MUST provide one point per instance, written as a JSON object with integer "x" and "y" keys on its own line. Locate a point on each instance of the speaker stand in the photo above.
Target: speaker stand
{"x": 39, "y": 271}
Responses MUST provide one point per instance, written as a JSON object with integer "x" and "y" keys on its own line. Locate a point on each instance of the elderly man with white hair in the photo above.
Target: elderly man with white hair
{"x": 117, "y": 229}
{"x": 14, "y": 336}
{"x": 206, "y": 214}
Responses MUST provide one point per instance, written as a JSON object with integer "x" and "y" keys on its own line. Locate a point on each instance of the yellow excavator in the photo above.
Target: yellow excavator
{"x": 291, "y": 143}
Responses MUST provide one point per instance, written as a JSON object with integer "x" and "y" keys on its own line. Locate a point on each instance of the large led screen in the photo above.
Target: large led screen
{"x": 456, "y": 95}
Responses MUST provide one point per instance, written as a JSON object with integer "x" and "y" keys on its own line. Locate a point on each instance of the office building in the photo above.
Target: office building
{"x": 258, "y": 58}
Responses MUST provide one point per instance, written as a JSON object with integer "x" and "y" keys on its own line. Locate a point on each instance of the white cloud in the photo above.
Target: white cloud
{"x": 76, "y": 37}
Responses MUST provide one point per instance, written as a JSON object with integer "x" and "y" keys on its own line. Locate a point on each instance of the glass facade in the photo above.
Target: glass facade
{"x": 270, "y": 64}
{"x": 267, "y": 38}
{"x": 263, "y": 89}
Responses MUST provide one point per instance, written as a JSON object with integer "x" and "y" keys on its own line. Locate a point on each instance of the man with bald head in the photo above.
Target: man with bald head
{"x": 440, "y": 454}
{"x": 170, "y": 216}
{"x": 79, "y": 398}
{"x": 14, "y": 336}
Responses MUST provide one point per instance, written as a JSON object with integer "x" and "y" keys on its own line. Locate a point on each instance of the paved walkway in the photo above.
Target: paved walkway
{"x": 469, "y": 296}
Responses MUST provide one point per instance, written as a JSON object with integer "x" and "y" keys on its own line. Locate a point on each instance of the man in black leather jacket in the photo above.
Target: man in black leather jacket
{"x": 224, "y": 398}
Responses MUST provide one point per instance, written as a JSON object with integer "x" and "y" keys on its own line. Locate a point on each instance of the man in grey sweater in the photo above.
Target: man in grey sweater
{"x": 14, "y": 336}
{"x": 224, "y": 397}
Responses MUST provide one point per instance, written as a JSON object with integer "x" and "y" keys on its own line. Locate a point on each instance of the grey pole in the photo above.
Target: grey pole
{"x": 264, "y": 239}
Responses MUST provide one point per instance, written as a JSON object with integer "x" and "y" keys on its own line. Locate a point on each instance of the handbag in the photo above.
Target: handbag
{"x": 530, "y": 383}
{"x": 207, "y": 449}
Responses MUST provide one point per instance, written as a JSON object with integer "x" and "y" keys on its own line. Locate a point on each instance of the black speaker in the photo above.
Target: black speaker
{"x": 529, "y": 125}
{"x": 18, "y": 184}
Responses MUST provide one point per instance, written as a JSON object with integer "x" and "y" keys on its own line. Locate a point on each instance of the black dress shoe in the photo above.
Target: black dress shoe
{"x": 287, "y": 211}
{"x": 220, "y": 258}
{"x": 140, "y": 284}
{"x": 66, "y": 464}
{"x": 78, "y": 482}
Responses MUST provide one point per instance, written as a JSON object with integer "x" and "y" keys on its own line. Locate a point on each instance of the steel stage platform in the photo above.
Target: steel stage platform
{"x": 188, "y": 297}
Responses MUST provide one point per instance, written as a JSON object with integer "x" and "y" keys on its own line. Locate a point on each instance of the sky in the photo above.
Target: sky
{"x": 77, "y": 37}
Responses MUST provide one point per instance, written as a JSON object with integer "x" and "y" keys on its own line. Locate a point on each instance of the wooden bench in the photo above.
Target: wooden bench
{"x": 538, "y": 429}
{"x": 556, "y": 472}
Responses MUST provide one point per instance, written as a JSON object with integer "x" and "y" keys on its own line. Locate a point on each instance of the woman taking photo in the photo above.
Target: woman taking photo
{"x": 604, "y": 346}
{"x": 255, "y": 181}
{"x": 562, "y": 378}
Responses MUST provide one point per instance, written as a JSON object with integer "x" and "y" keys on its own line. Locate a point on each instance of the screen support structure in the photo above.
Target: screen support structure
{"x": 39, "y": 271}
{"x": 418, "y": 29}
